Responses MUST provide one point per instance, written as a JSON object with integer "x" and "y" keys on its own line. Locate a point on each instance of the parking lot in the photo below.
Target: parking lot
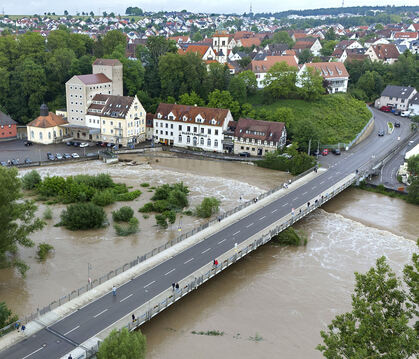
{"x": 16, "y": 150}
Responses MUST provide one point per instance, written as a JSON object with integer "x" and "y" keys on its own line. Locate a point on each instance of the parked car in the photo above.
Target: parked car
{"x": 67, "y": 156}
{"x": 385, "y": 108}
{"x": 75, "y": 155}
{"x": 244, "y": 154}
{"x": 84, "y": 144}
{"x": 59, "y": 156}
{"x": 381, "y": 133}
{"x": 99, "y": 143}
{"x": 325, "y": 152}
{"x": 405, "y": 114}
{"x": 28, "y": 160}
{"x": 28, "y": 143}
{"x": 15, "y": 162}
{"x": 397, "y": 124}
{"x": 110, "y": 144}
{"x": 336, "y": 151}
{"x": 49, "y": 154}
{"x": 51, "y": 157}
{"x": 69, "y": 143}
{"x": 76, "y": 144}
{"x": 103, "y": 144}
{"x": 397, "y": 112}
{"x": 4, "y": 164}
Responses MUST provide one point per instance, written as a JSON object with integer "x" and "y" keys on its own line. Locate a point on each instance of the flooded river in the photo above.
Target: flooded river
{"x": 273, "y": 303}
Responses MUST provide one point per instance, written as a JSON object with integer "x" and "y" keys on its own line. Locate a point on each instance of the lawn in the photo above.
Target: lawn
{"x": 337, "y": 117}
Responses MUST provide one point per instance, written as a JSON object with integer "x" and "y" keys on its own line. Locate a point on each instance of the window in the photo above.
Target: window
{"x": 111, "y": 123}
{"x": 209, "y": 131}
{"x": 215, "y": 143}
{"x": 188, "y": 139}
{"x": 242, "y": 148}
{"x": 32, "y": 134}
{"x": 171, "y": 133}
{"x": 103, "y": 122}
{"x": 180, "y": 127}
{"x": 202, "y": 130}
{"x": 209, "y": 142}
{"x": 202, "y": 141}
{"x": 161, "y": 124}
{"x": 188, "y": 128}
{"x": 167, "y": 125}
{"x": 171, "y": 126}
{"x": 195, "y": 129}
{"x": 167, "y": 134}
{"x": 216, "y": 132}
{"x": 180, "y": 138}
{"x": 111, "y": 131}
{"x": 49, "y": 135}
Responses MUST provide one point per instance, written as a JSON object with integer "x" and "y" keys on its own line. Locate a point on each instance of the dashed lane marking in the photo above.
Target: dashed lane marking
{"x": 274, "y": 210}
{"x": 36, "y": 351}
{"x": 236, "y": 233}
{"x": 208, "y": 249}
{"x": 126, "y": 298}
{"x": 261, "y": 218}
{"x": 170, "y": 271}
{"x": 249, "y": 225}
{"x": 284, "y": 204}
{"x": 72, "y": 330}
{"x": 222, "y": 241}
{"x": 149, "y": 284}
{"x": 189, "y": 260}
{"x": 103, "y": 311}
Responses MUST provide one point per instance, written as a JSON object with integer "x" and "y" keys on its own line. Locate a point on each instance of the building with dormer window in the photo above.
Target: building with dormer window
{"x": 191, "y": 126}
{"x": 334, "y": 73}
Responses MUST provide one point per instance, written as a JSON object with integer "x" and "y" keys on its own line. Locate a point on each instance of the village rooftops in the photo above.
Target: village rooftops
{"x": 330, "y": 70}
{"x": 110, "y": 106}
{"x": 6, "y": 120}
{"x": 398, "y": 91}
{"x": 107, "y": 62}
{"x": 93, "y": 79}
{"x": 262, "y": 66}
{"x": 259, "y": 130}
{"x": 192, "y": 114}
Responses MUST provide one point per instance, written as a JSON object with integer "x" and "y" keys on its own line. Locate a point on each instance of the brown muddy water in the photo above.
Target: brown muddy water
{"x": 273, "y": 303}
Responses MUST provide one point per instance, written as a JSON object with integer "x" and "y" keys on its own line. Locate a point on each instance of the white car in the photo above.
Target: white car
{"x": 84, "y": 144}
{"x": 75, "y": 155}
{"x": 405, "y": 113}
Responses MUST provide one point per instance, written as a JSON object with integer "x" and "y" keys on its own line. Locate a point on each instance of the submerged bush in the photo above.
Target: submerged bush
{"x": 127, "y": 229}
{"x": 128, "y": 196}
{"x": 290, "y": 237}
{"x": 208, "y": 207}
{"x": 83, "y": 216}
{"x": 124, "y": 214}
{"x": 43, "y": 250}
{"x": 104, "y": 198}
{"x": 47, "y": 213}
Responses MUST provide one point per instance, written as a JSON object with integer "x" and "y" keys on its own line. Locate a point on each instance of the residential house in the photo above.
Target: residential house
{"x": 311, "y": 44}
{"x": 47, "y": 128}
{"x": 354, "y": 55}
{"x": 119, "y": 119}
{"x": 8, "y": 127}
{"x": 397, "y": 97}
{"x": 414, "y": 105}
{"x": 191, "y": 126}
{"x": 406, "y": 35}
{"x": 258, "y": 137}
{"x": 206, "y": 52}
{"x": 220, "y": 41}
{"x": 414, "y": 27}
{"x": 249, "y": 42}
{"x": 334, "y": 73}
{"x": 348, "y": 44}
{"x": 384, "y": 53}
{"x": 376, "y": 41}
{"x": 261, "y": 67}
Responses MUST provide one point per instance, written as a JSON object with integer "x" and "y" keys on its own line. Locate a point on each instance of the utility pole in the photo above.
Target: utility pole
{"x": 309, "y": 147}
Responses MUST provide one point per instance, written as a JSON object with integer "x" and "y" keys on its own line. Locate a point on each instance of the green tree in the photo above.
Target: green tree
{"x": 330, "y": 34}
{"x": 304, "y": 56}
{"x": 282, "y": 37}
{"x": 379, "y": 324}
{"x": 244, "y": 62}
{"x": 250, "y": 81}
{"x": 311, "y": 83}
{"x": 413, "y": 165}
{"x": 112, "y": 39}
{"x": 83, "y": 216}
{"x": 223, "y": 99}
{"x": 280, "y": 80}
{"x": 413, "y": 192}
{"x": 123, "y": 345}
{"x": 208, "y": 207}
{"x": 218, "y": 77}
{"x": 31, "y": 179}
{"x": 328, "y": 48}
{"x": 6, "y": 315}
{"x": 191, "y": 99}
{"x": 17, "y": 220}
{"x": 124, "y": 214}
{"x": 237, "y": 88}
{"x": 372, "y": 83}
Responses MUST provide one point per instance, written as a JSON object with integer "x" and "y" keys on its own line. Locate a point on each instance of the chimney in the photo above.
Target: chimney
{"x": 44, "y": 110}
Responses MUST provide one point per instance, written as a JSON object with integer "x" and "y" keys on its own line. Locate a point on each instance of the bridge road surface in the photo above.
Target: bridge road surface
{"x": 63, "y": 336}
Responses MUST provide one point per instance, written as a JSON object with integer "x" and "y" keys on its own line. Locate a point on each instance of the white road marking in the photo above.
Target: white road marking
{"x": 284, "y": 204}
{"x": 103, "y": 311}
{"x": 149, "y": 284}
{"x": 222, "y": 241}
{"x": 188, "y": 260}
{"x": 261, "y": 218}
{"x": 208, "y": 249}
{"x": 321, "y": 182}
{"x": 236, "y": 233}
{"x": 295, "y": 198}
{"x": 72, "y": 330}
{"x": 126, "y": 298}
{"x": 36, "y": 351}
{"x": 170, "y": 271}
{"x": 330, "y": 177}
{"x": 274, "y": 210}
{"x": 249, "y": 225}
{"x": 314, "y": 187}
{"x": 304, "y": 193}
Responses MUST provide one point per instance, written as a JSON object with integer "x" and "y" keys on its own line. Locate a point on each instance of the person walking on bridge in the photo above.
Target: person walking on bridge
{"x": 114, "y": 291}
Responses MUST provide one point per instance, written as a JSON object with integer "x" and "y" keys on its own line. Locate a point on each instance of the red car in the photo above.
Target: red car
{"x": 325, "y": 152}
{"x": 385, "y": 108}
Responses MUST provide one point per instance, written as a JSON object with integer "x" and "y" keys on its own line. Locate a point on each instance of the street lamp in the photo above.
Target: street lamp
{"x": 89, "y": 267}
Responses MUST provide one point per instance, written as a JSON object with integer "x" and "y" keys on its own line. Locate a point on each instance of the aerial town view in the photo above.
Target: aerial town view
{"x": 203, "y": 180}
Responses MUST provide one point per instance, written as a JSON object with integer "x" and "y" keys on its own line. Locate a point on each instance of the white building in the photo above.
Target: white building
{"x": 191, "y": 126}
{"x": 334, "y": 73}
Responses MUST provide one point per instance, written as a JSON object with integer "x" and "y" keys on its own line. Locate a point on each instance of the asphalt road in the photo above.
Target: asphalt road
{"x": 60, "y": 338}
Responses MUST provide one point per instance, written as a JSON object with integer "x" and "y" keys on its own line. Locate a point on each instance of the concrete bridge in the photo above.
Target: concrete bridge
{"x": 144, "y": 285}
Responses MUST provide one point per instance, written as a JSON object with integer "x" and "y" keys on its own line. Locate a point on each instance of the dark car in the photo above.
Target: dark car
{"x": 397, "y": 124}
{"x": 67, "y": 156}
{"x": 69, "y": 143}
{"x": 28, "y": 160}
{"x": 15, "y": 162}
{"x": 76, "y": 144}
{"x": 381, "y": 133}
{"x": 51, "y": 157}
{"x": 4, "y": 164}
{"x": 244, "y": 154}
{"x": 336, "y": 151}
{"x": 99, "y": 143}
{"x": 103, "y": 144}
{"x": 397, "y": 112}
{"x": 28, "y": 143}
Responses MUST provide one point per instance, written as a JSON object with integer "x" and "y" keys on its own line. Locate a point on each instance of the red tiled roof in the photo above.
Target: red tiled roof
{"x": 262, "y": 66}
{"x": 243, "y": 34}
{"x": 249, "y": 42}
{"x": 406, "y": 35}
{"x": 107, "y": 62}
{"x": 386, "y": 51}
{"x": 92, "y": 79}
{"x": 259, "y": 130}
{"x": 330, "y": 69}
{"x": 197, "y": 49}
{"x": 51, "y": 120}
{"x": 191, "y": 112}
